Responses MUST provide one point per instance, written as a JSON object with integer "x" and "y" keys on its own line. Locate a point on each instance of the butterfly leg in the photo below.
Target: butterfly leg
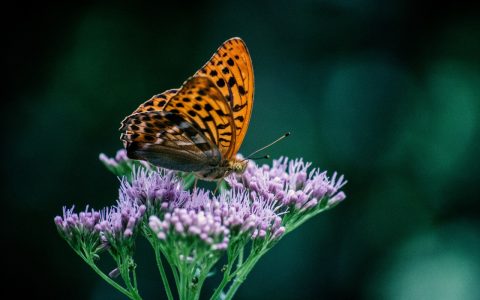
{"x": 195, "y": 183}
{"x": 217, "y": 188}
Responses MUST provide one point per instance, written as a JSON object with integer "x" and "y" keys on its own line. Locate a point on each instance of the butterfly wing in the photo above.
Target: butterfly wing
{"x": 167, "y": 140}
{"x": 200, "y": 124}
{"x": 201, "y": 104}
{"x": 157, "y": 102}
{"x": 231, "y": 69}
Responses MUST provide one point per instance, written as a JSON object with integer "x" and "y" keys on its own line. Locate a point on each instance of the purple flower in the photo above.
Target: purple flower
{"x": 121, "y": 165}
{"x": 186, "y": 224}
{"x": 238, "y": 211}
{"x": 119, "y": 223}
{"x": 213, "y": 219}
{"x": 83, "y": 223}
{"x": 249, "y": 213}
{"x": 290, "y": 183}
{"x": 162, "y": 188}
{"x": 119, "y": 159}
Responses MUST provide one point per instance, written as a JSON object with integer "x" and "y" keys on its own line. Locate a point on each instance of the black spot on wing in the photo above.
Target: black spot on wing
{"x": 221, "y": 82}
{"x": 241, "y": 90}
{"x": 238, "y": 108}
{"x": 208, "y": 107}
{"x": 231, "y": 81}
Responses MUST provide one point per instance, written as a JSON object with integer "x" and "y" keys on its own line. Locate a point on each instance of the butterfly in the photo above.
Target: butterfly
{"x": 200, "y": 126}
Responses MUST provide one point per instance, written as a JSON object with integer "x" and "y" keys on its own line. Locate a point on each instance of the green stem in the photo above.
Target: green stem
{"x": 240, "y": 258}
{"x": 296, "y": 223}
{"x": 201, "y": 280}
{"x": 152, "y": 239}
{"x": 239, "y": 279}
{"x": 134, "y": 273}
{"x": 225, "y": 280}
{"x": 166, "y": 284}
{"x": 176, "y": 277}
{"x": 124, "y": 267}
{"x": 88, "y": 258}
{"x": 227, "y": 275}
{"x": 242, "y": 272}
{"x": 182, "y": 291}
{"x": 104, "y": 276}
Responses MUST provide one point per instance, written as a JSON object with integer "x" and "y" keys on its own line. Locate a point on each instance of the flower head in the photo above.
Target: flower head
{"x": 119, "y": 223}
{"x": 290, "y": 183}
{"x": 249, "y": 213}
{"x": 84, "y": 221}
{"x": 154, "y": 189}
{"x": 78, "y": 228}
{"x": 186, "y": 224}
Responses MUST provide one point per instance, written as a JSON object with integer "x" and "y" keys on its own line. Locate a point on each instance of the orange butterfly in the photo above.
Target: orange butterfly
{"x": 199, "y": 127}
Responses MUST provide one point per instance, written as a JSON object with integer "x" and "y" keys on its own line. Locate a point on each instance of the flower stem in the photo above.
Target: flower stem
{"x": 89, "y": 260}
{"x": 111, "y": 281}
{"x": 227, "y": 275}
{"x": 124, "y": 267}
{"x": 290, "y": 226}
{"x": 158, "y": 257}
{"x": 86, "y": 255}
{"x": 242, "y": 271}
{"x": 166, "y": 284}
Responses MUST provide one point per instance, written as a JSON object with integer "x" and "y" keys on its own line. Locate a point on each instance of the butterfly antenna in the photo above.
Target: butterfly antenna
{"x": 265, "y": 147}
{"x": 261, "y": 157}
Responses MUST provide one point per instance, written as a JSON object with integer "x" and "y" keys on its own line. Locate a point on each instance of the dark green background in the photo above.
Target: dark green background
{"x": 385, "y": 92}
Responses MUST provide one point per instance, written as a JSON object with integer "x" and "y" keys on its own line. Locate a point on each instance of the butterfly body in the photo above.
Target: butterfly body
{"x": 199, "y": 127}
{"x": 225, "y": 168}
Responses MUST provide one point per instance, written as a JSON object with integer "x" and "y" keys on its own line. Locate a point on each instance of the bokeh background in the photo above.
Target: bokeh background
{"x": 385, "y": 92}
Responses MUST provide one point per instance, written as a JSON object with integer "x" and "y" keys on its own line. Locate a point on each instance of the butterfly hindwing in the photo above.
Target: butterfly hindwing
{"x": 166, "y": 139}
{"x": 231, "y": 69}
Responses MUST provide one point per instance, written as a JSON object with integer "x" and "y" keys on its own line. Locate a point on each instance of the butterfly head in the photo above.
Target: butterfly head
{"x": 238, "y": 166}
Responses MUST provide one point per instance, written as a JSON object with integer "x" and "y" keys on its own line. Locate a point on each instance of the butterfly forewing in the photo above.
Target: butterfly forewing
{"x": 230, "y": 68}
{"x": 202, "y": 104}
{"x": 157, "y": 102}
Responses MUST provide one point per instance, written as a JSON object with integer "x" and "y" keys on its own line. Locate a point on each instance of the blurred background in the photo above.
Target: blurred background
{"x": 385, "y": 92}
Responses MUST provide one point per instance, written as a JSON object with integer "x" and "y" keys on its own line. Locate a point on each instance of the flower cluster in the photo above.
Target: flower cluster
{"x": 192, "y": 229}
{"x": 244, "y": 213}
{"x": 183, "y": 223}
{"x": 155, "y": 189}
{"x": 118, "y": 223}
{"x": 290, "y": 183}
{"x": 77, "y": 227}
{"x": 231, "y": 211}
{"x": 110, "y": 226}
